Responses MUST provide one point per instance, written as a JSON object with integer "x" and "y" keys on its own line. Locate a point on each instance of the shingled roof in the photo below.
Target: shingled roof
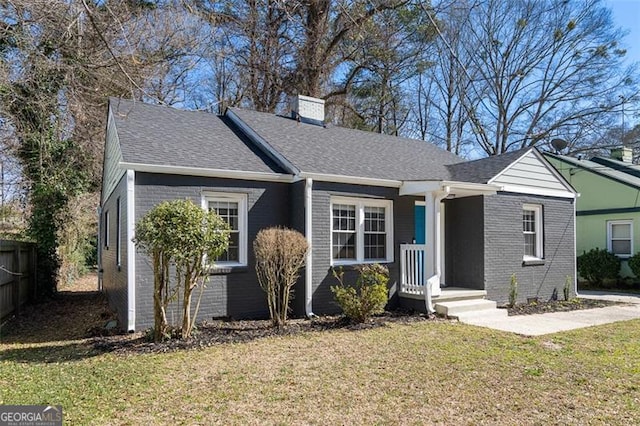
{"x": 340, "y": 151}
{"x": 484, "y": 169}
{"x": 159, "y": 135}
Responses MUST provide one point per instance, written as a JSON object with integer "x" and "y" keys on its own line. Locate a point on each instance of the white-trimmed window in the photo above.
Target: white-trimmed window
{"x": 361, "y": 230}
{"x": 533, "y": 231}
{"x": 232, "y": 208}
{"x": 620, "y": 237}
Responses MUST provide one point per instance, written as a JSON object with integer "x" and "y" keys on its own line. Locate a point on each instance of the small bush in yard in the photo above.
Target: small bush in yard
{"x": 367, "y": 297}
{"x": 566, "y": 290}
{"x": 280, "y": 253}
{"x": 634, "y": 264}
{"x": 596, "y": 265}
{"x": 513, "y": 290}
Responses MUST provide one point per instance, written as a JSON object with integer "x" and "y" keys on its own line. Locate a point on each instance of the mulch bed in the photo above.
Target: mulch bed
{"x": 542, "y": 307}
{"x": 222, "y": 331}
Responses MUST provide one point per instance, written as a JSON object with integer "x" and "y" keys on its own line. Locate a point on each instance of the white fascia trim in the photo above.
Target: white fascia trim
{"x": 423, "y": 187}
{"x": 262, "y": 143}
{"x": 354, "y": 180}
{"x": 199, "y": 171}
{"x": 131, "y": 251}
{"x": 519, "y": 189}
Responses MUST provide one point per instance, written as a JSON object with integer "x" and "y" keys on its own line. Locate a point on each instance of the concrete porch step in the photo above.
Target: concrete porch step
{"x": 466, "y": 308}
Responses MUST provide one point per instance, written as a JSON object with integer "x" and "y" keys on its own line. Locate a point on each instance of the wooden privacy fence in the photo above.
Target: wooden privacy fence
{"x": 17, "y": 276}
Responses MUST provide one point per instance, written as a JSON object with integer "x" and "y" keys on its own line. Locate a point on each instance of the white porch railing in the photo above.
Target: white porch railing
{"x": 412, "y": 268}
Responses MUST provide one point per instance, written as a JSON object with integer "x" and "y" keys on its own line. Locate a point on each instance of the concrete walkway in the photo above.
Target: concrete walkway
{"x": 539, "y": 324}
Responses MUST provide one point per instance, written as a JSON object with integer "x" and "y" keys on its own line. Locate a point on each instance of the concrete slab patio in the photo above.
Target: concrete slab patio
{"x": 539, "y": 324}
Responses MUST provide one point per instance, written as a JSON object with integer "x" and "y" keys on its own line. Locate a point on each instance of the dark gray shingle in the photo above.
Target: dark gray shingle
{"x": 482, "y": 170}
{"x": 158, "y": 135}
{"x": 341, "y": 151}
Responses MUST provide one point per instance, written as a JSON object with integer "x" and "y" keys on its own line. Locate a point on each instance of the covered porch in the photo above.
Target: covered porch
{"x": 422, "y": 266}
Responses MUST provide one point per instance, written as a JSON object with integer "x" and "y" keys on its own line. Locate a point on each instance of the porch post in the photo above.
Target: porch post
{"x": 429, "y": 258}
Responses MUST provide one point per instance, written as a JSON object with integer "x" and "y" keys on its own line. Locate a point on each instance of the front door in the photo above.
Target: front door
{"x": 418, "y": 224}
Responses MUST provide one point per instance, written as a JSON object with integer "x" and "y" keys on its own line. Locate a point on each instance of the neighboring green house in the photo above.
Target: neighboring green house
{"x": 608, "y": 209}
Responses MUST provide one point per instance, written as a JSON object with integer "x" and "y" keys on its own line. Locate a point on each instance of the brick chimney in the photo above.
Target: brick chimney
{"x": 622, "y": 154}
{"x": 307, "y": 109}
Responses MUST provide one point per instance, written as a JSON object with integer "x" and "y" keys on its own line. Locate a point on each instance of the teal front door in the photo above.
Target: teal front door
{"x": 418, "y": 225}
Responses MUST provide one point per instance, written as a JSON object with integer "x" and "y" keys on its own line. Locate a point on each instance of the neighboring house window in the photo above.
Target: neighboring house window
{"x": 232, "y": 208}
{"x": 106, "y": 229}
{"x": 532, "y": 230}
{"x": 620, "y": 237}
{"x": 361, "y": 230}
{"x": 118, "y": 227}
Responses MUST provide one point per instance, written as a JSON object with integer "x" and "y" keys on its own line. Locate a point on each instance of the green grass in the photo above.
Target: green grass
{"x": 422, "y": 373}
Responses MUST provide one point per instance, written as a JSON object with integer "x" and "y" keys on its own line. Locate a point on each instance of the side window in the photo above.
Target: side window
{"x": 232, "y": 208}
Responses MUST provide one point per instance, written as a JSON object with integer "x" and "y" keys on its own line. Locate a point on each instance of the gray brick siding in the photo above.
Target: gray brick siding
{"x": 464, "y": 242}
{"x": 403, "y": 211}
{"x": 236, "y": 294}
{"x": 504, "y": 246}
{"x": 114, "y": 278}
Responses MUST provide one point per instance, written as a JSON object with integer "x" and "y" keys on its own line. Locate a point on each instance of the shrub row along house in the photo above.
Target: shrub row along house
{"x": 608, "y": 209}
{"x": 465, "y": 227}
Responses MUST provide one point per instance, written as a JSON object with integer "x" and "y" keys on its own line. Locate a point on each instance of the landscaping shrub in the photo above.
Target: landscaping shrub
{"x": 280, "y": 254}
{"x": 634, "y": 264}
{"x": 597, "y": 265}
{"x": 367, "y": 297}
{"x": 513, "y": 290}
{"x": 184, "y": 236}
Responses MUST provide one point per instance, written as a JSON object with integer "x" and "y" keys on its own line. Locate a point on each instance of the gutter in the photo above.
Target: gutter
{"x": 308, "y": 270}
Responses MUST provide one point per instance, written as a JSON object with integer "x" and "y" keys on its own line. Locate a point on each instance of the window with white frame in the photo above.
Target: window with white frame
{"x": 620, "y": 237}
{"x": 361, "y": 230}
{"x": 232, "y": 208}
{"x": 533, "y": 231}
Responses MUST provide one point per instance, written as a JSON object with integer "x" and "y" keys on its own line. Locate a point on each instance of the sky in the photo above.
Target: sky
{"x": 626, "y": 14}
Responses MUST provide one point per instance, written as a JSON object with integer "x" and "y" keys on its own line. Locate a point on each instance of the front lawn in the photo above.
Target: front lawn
{"x": 430, "y": 372}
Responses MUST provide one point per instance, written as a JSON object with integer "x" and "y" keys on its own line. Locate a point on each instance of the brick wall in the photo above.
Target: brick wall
{"x": 114, "y": 278}
{"x": 504, "y": 246}
{"x": 237, "y": 293}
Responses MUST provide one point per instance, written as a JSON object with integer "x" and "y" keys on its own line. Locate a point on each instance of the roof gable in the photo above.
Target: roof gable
{"x": 531, "y": 170}
{"x": 153, "y": 135}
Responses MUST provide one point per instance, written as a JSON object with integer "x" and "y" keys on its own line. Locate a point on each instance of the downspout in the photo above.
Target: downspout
{"x": 131, "y": 251}
{"x": 308, "y": 270}
{"x": 575, "y": 263}
{"x": 99, "y": 247}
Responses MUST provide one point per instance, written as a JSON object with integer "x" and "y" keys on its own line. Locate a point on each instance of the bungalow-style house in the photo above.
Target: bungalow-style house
{"x": 463, "y": 227}
{"x": 608, "y": 209}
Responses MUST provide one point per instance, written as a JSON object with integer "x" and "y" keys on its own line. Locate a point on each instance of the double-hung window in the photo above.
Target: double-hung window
{"x": 533, "y": 231}
{"x": 620, "y": 237}
{"x": 232, "y": 208}
{"x": 361, "y": 230}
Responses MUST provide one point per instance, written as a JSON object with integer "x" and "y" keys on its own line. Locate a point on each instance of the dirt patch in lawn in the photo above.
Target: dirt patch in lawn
{"x": 558, "y": 306}
{"x": 75, "y": 312}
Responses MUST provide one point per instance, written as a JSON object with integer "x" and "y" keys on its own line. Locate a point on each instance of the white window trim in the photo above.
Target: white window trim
{"x": 243, "y": 227}
{"x": 360, "y": 204}
{"x": 610, "y": 224}
{"x": 537, "y": 209}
